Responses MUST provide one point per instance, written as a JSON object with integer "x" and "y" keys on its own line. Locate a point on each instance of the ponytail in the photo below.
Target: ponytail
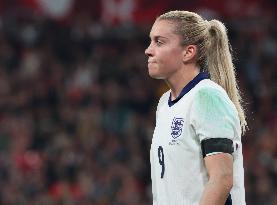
{"x": 221, "y": 68}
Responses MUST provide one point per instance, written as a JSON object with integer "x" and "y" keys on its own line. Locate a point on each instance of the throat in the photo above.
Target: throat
{"x": 177, "y": 94}
{"x": 174, "y": 94}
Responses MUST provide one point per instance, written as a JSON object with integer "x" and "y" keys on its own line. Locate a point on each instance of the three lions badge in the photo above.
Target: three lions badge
{"x": 177, "y": 127}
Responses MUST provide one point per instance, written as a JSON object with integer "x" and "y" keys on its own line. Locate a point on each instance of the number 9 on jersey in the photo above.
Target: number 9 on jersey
{"x": 161, "y": 159}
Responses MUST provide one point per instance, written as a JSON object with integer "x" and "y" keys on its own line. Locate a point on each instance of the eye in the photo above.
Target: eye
{"x": 159, "y": 42}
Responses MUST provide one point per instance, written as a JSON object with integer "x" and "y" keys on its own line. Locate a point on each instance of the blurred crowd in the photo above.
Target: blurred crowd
{"x": 77, "y": 109}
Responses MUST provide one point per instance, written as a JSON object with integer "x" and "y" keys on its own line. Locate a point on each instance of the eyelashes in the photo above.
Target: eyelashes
{"x": 158, "y": 42}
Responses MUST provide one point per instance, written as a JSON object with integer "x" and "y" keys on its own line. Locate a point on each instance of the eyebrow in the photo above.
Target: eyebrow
{"x": 157, "y": 37}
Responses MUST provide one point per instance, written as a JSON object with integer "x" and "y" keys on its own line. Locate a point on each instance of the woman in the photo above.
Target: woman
{"x": 196, "y": 155}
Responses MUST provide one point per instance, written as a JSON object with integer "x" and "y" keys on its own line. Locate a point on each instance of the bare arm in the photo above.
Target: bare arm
{"x": 220, "y": 170}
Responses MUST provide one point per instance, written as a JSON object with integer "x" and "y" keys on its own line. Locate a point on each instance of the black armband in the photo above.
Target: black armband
{"x": 213, "y": 145}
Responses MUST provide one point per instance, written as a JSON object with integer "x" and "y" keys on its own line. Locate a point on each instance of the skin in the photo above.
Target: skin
{"x": 220, "y": 171}
{"x": 176, "y": 64}
{"x": 168, "y": 59}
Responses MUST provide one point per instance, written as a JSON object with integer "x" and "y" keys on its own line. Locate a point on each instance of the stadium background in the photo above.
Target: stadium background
{"x": 77, "y": 108}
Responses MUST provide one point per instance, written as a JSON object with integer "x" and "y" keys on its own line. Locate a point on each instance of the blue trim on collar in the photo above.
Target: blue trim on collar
{"x": 188, "y": 87}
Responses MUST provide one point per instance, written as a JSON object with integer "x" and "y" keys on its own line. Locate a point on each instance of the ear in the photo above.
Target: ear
{"x": 189, "y": 53}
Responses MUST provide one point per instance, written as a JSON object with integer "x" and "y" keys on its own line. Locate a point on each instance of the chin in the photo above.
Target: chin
{"x": 156, "y": 75}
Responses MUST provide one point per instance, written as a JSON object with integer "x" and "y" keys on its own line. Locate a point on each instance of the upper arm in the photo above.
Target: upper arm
{"x": 220, "y": 166}
{"x": 216, "y": 123}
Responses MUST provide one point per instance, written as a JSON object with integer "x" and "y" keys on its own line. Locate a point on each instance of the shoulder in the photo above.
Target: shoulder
{"x": 213, "y": 114}
{"x": 209, "y": 86}
{"x": 211, "y": 98}
{"x": 208, "y": 91}
{"x": 164, "y": 98}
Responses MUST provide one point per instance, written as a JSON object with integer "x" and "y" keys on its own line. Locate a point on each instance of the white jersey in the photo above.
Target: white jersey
{"x": 203, "y": 112}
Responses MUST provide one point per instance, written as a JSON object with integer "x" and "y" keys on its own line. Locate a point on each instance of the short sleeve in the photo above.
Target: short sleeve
{"x": 214, "y": 119}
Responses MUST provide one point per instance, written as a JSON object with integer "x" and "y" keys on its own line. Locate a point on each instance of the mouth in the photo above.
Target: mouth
{"x": 151, "y": 60}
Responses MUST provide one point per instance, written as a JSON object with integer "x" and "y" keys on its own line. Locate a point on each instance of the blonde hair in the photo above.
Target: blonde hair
{"x": 213, "y": 51}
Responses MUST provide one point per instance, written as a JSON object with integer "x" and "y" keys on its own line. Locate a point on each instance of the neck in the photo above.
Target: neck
{"x": 180, "y": 79}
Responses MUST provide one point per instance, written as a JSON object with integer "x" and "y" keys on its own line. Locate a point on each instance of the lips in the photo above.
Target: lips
{"x": 151, "y": 61}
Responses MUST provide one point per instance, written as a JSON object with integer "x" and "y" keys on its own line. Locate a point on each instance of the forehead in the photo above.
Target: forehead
{"x": 163, "y": 28}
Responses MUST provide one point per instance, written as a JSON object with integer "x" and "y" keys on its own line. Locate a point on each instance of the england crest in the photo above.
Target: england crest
{"x": 177, "y": 127}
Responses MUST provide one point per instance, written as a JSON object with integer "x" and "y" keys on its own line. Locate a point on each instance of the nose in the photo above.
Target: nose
{"x": 149, "y": 51}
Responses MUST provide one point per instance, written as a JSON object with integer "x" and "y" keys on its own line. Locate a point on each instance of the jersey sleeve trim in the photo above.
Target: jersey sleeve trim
{"x": 216, "y": 145}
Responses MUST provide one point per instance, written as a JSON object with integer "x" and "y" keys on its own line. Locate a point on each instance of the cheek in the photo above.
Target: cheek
{"x": 171, "y": 60}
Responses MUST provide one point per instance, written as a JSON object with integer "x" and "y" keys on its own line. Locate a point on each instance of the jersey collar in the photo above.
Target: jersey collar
{"x": 188, "y": 87}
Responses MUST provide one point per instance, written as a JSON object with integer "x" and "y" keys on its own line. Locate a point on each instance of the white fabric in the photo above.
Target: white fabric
{"x": 204, "y": 112}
